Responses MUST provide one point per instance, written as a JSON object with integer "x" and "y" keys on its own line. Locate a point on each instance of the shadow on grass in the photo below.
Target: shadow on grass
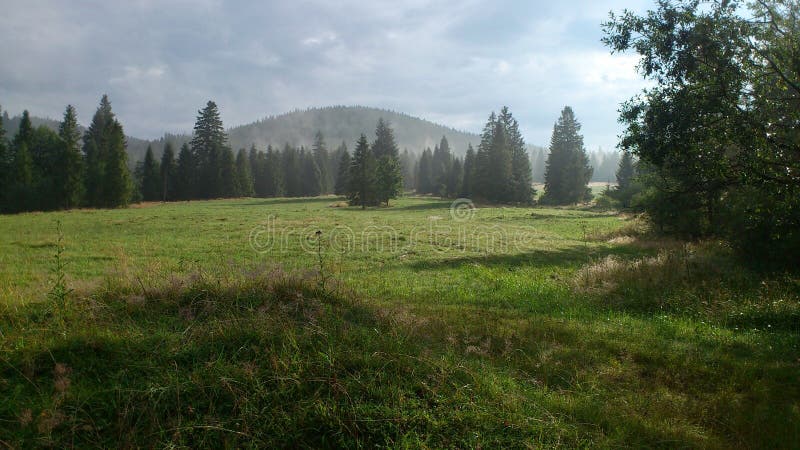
{"x": 566, "y": 257}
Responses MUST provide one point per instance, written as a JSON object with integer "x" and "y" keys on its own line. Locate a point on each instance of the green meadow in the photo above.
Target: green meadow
{"x": 305, "y": 322}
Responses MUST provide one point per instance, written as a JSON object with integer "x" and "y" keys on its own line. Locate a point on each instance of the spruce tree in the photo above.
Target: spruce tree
{"x": 362, "y": 175}
{"x": 498, "y": 175}
{"x": 208, "y": 145}
{"x": 425, "y": 173}
{"x": 322, "y": 159}
{"x": 70, "y": 183}
{"x": 567, "y": 172}
{"x": 521, "y": 182}
{"x": 246, "y": 187}
{"x": 312, "y": 176}
{"x": 455, "y": 177}
{"x": 96, "y": 141}
{"x": 408, "y": 168}
{"x": 273, "y": 173}
{"x": 469, "y": 173}
{"x": 626, "y": 171}
{"x": 151, "y": 183}
{"x": 292, "y": 171}
{"x": 169, "y": 173}
{"x": 228, "y": 176}
{"x": 342, "y": 176}
{"x": 117, "y": 184}
{"x": 539, "y": 165}
{"x": 389, "y": 178}
{"x": 186, "y": 174}
{"x": 626, "y": 187}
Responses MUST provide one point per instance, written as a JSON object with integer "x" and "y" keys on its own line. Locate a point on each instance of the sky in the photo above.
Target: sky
{"x": 448, "y": 61}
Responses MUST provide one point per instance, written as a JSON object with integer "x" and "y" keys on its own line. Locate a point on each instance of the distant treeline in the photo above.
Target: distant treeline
{"x": 42, "y": 169}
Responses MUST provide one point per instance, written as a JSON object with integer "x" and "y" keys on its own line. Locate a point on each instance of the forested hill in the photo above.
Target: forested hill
{"x": 346, "y": 123}
{"x": 337, "y": 124}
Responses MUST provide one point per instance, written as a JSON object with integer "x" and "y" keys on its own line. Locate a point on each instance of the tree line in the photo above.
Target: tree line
{"x": 41, "y": 169}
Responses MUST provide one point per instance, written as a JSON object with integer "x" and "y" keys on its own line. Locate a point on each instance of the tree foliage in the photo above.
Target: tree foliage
{"x": 718, "y": 132}
{"x": 567, "y": 171}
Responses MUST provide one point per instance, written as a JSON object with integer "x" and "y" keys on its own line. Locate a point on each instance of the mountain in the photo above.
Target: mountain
{"x": 337, "y": 124}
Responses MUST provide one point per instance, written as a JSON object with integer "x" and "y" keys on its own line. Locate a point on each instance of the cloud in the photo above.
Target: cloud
{"x": 449, "y": 61}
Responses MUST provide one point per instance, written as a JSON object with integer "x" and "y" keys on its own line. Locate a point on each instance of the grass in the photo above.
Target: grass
{"x": 517, "y": 327}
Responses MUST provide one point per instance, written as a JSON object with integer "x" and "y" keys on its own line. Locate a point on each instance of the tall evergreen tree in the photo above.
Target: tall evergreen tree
{"x": 626, "y": 171}
{"x": 408, "y": 169}
{"x": 455, "y": 177}
{"x": 311, "y": 176}
{"x": 151, "y": 183}
{"x": 361, "y": 191}
{"x": 228, "y": 175}
{"x": 425, "y": 183}
{"x": 274, "y": 174}
{"x": 469, "y": 173}
{"x": 342, "y": 175}
{"x": 568, "y": 172}
{"x": 169, "y": 173}
{"x": 117, "y": 185}
{"x": 521, "y": 183}
{"x": 186, "y": 179}
{"x": 322, "y": 159}
{"x": 96, "y": 143}
{"x": 246, "y": 188}
{"x": 292, "y": 170}
{"x": 70, "y": 182}
{"x": 539, "y": 165}
{"x": 389, "y": 178}
{"x": 208, "y": 148}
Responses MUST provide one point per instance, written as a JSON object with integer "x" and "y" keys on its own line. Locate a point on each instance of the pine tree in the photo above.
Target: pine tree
{"x": 521, "y": 183}
{"x": 273, "y": 173}
{"x": 425, "y": 173}
{"x": 455, "y": 177}
{"x": 497, "y": 174}
{"x": 117, "y": 185}
{"x": 362, "y": 175}
{"x": 151, "y": 183}
{"x": 469, "y": 173}
{"x": 21, "y": 189}
{"x": 245, "y": 177}
{"x": 539, "y": 165}
{"x": 322, "y": 160}
{"x": 169, "y": 173}
{"x": 208, "y": 145}
{"x": 342, "y": 176}
{"x": 96, "y": 141}
{"x": 389, "y": 178}
{"x": 292, "y": 171}
{"x": 312, "y": 176}
{"x": 442, "y": 159}
{"x": 627, "y": 187}
{"x": 407, "y": 167}
{"x": 228, "y": 175}
{"x": 186, "y": 177}
{"x": 70, "y": 183}
{"x": 626, "y": 171}
{"x": 567, "y": 173}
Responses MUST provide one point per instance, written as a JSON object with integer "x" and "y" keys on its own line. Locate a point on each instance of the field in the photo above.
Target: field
{"x": 235, "y": 323}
